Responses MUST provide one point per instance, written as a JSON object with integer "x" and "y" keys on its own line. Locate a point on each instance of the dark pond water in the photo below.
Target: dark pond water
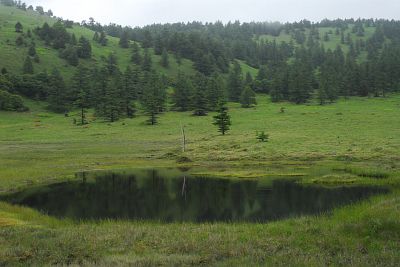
{"x": 149, "y": 195}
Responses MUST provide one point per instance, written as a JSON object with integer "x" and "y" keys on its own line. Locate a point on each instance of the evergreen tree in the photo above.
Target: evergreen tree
{"x": 235, "y": 82}
{"x": 73, "y": 40}
{"x": 18, "y": 27}
{"x": 300, "y": 82}
{"x": 32, "y": 50}
{"x": 112, "y": 64}
{"x": 84, "y": 48}
{"x": 57, "y": 97}
{"x": 96, "y": 37}
{"x": 222, "y": 120}
{"x": 182, "y": 93}
{"x": 136, "y": 56}
{"x": 248, "y": 97}
{"x": 164, "y": 59}
{"x": 114, "y": 104}
{"x": 153, "y": 99}
{"x": 28, "y": 66}
{"x": 215, "y": 91}
{"x": 81, "y": 90}
{"x": 103, "y": 39}
{"x": 124, "y": 40}
{"x": 131, "y": 81}
{"x": 147, "y": 61}
{"x": 199, "y": 101}
{"x": 70, "y": 53}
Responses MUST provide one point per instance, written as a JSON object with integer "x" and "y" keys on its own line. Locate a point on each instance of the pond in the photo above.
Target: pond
{"x": 157, "y": 195}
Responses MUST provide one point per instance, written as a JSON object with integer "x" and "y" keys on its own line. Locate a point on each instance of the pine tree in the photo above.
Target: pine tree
{"x": 84, "y": 48}
{"x": 73, "y": 40}
{"x": 124, "y": 40}
{"x": 222, "y": 120}
{"x": 113, "y": 105}
{"x": 300, "y": 78}
{"x": 32, "y": 50}
{"x": 112, "y": 64}
{"x": 248, "y": 97}
{"x": 153, "y": 99}
{"x": 235, "y": 82}
{"x": 96, "y": 37}
{"x": 182, "y": 93}
{"x": 199, "y": 101}
{"x": 57, "y": 97}
{"x": 70, "y": 53}
{"x": 136, "y": 56}
{"x": 131, "y": 80}
{"x": 28, "y": 66}
{"x": 147, "y": 61}
{"x": 18, "y": 27}
{"x": 103, "y": 39}
{"x": 215, "y": 91}
{"x": 164, "y": 59}
{"x": 81, "y": 90}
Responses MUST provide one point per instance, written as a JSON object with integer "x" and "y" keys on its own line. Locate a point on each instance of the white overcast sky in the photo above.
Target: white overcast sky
{"x": 143, "y": 12}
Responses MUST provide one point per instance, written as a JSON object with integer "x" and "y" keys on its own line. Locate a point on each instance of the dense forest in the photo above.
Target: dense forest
{"x": 297, "y": 70}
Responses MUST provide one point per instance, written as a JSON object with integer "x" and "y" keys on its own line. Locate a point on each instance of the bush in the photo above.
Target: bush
{"x": 263, "y": 137}
{"x": 10, "y": 102}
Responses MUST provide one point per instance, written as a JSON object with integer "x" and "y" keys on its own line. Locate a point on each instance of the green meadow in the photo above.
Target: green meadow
{"x": 353, "y": 141}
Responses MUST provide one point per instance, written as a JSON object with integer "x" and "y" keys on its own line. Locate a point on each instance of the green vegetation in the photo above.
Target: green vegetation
{"x": 111, "y": 88}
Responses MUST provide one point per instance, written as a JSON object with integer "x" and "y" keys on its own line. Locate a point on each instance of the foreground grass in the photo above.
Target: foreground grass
{"x": 366, "y": 234}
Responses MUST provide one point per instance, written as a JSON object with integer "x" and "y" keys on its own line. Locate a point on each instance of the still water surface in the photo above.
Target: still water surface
{"x": 151, "y": 195}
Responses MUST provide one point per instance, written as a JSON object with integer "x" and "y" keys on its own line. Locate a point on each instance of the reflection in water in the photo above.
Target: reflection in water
{"x": 149, "y": 196}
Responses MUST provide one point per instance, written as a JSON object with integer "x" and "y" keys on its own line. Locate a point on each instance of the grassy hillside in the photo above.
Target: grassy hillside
{"x": 12, "y": 57}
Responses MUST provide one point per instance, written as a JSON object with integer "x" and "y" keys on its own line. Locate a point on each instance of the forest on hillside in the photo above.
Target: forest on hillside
{"x": 298, "y": 71}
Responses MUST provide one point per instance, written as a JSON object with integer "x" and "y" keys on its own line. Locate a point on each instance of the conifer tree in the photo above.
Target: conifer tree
{"x": 18, "y": 27}
{"x": 103, "y": 39}
{"x": 81, "y": 90}
{"x": 248, "y": 97}
{"x": 182, "y": 93}
{"x": 84, "y": 48}
{"x": 215, "y": 91}
{"x": 96, "y": 37}
{"x": 28, "y": 66}
{"x": 235, "y": 82}
{"x": 131, "y": 80}
{"x": 199, "y": 101}
{"x": 112, "y": 64}
{"x": 113, "y": 105}
{"x": 32, "y": 50}
{"x": 73, "y": 40}
{"x": 124, "y": 40}
{"x": 147, "y": 61}
{"x": 57, "y": 97}
{"x": 222, "y": 120}
{"x": 164, "y": 59}
{"x": 136, "y": 56}
{"x": 153, "y": 99}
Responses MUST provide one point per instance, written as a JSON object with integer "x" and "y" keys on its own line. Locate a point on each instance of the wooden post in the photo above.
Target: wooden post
{"x": 183, "y": 138}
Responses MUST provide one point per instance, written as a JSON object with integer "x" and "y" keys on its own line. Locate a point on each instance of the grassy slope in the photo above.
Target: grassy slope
{"x": 12, "y": 56}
